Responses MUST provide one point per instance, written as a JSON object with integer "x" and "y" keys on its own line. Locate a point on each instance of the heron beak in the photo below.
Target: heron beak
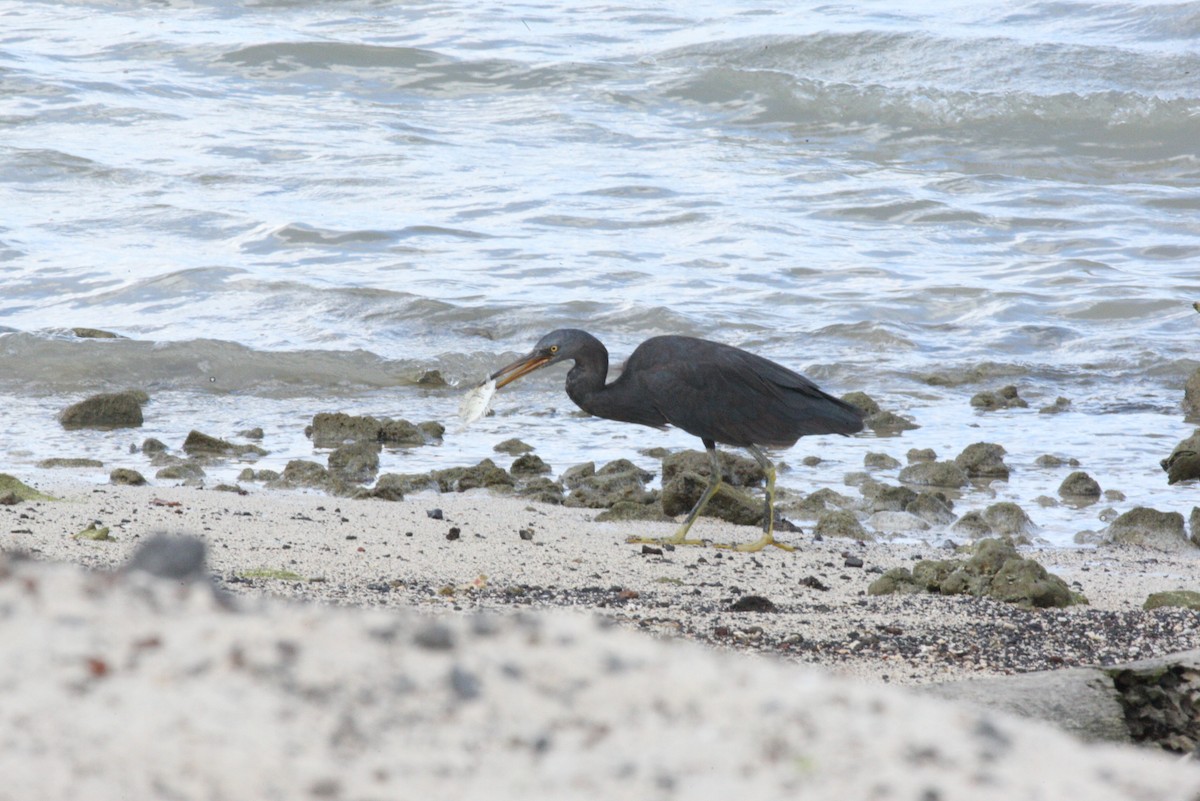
{"x": 524, "y": 366}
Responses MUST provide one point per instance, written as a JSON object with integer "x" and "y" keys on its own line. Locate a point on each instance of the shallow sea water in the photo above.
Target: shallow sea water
{"x": 296, "y": 207}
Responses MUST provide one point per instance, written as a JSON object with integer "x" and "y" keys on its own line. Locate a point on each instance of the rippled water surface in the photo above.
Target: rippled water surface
{"x": 295, "y": 207}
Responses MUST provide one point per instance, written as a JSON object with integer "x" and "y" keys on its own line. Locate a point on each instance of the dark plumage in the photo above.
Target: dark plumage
{"x": 716, "y": 392}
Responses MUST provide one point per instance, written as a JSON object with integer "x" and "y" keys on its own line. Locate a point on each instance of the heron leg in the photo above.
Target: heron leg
{"x": 768, "y": 537}
{"x": 714, "y": 484}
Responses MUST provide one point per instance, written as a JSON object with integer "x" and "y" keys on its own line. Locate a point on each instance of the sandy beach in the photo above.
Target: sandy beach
{"x": 724, "y": 672}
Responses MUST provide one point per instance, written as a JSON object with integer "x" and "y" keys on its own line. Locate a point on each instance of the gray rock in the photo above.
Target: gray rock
{"x": 171, "y": 557}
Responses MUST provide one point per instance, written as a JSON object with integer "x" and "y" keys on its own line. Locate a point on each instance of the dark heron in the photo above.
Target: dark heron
{"x": 716, "y": 392}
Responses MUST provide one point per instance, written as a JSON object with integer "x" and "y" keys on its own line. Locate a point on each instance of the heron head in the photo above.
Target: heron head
{"x": 565, "y": 343}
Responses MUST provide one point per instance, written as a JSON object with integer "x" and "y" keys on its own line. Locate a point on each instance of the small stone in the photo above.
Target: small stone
{"x": 434, "y": 514}
{"x": 151, "y": 446}
{"x": 172, "y": 557}
{"x": 853, "y": 561}
{"x": 752, "y": 603}
{"x": 526, "y": 534}
{"x": 454, "y": 533}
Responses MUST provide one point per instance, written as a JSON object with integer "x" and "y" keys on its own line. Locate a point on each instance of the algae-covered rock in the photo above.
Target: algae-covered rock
{"x": 898, "y": 579}
{"x": 181, "y": 470}
{"x": 62, "y": 462}
{"x": 303, "y": 473}
{"x": 355, "y": 462}
{"x": 1184, "y": 462}
{"x": 199, "y": 444}
{"x": 619, "y": 480}
{"x": 735, "y": 470}
{"x": 935, "y": 474}
{"x": 1149, "y": 528}
{"x": 995, "y": 570}
{"x": 876, "y": 418}
{"x": 127, "y": 477}
{"x": 921, "y": 455}
{"x": 95, "y": 532}
{"x": 841, "y": 523}
{"x": 1003, "y": 398}
{"x": 1079, "y": 485}
{"x": 931, "y": 507}
{"x": 105, "y": 411}
{"x": 513, "y": 447}
{"x": 815, "y": 504}
{"x": 331, "y": 429}
{"x": 628, "y": 510}
{"x": 94, "y": 333}
{"x": 461, "y": 479}
{"x": 880, "y": 461}
{"x": 1187, "y": 599}
{"x": 1009, "y": 520}
{"x": 20, "y": 490}
{"x": 972, "y": 525}
{"x": 889, "y": 497}
{"x": 1059, "y": 406}
{"x": 983, "y": 460}
{"x": 528, "y": 464}
{"x": 1025, "y": 582}
{"x": 541, "y": 489}
{"x": 1191, "y": 393}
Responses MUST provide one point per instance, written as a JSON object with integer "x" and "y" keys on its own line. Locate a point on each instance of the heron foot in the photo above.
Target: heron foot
{"x": 664, "y": 541}
{"x": 755, "y": 546}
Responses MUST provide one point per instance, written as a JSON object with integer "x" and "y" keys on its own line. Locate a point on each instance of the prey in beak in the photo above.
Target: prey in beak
{"x": 523, "y": 366}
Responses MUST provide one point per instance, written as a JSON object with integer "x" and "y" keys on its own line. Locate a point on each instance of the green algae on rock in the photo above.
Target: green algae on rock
{"x": 995, "y": 570}
{"x": 21, "y": 490}
{"x": 105, "y": 411}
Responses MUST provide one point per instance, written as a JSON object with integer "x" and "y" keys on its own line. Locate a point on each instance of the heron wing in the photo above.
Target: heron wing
{"x": 729, "y": 395}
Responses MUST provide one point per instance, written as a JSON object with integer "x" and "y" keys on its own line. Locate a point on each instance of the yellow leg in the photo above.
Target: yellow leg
{"x": 680, "y": 536}
{"x": 768, "y": 537}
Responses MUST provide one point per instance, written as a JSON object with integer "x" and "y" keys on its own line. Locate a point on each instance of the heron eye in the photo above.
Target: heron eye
{"x": 554, "y": 348}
